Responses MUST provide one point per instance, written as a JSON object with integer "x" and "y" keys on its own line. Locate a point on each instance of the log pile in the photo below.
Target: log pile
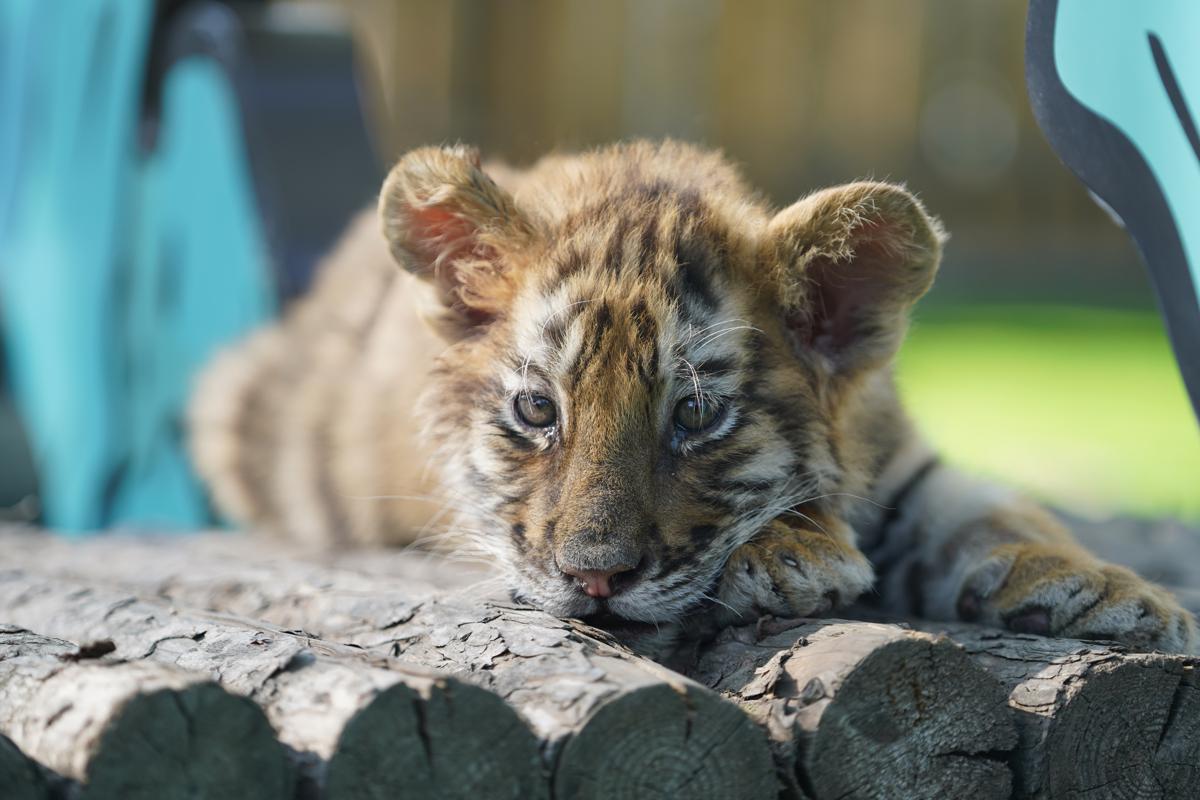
{"x": 397, "y": 675}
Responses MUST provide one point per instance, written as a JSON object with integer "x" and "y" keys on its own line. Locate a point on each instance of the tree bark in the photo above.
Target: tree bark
{"x": 356, "y": 730}
{"x": 133, "y": 731}
{"x": 143, "y": 562}
{"x": 853, "y": 709}
{"x": 1094, "y": 721}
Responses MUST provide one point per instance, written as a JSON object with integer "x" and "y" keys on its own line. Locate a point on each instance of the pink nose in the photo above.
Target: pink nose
{"x": 595, "y": 582}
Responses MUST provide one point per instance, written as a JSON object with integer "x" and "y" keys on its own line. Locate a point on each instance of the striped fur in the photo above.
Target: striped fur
{"x": 617, "y": 287}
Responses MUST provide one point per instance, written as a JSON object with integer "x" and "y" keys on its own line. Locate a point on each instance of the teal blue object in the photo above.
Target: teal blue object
{"x": 120, "y": 272}
{"x": 1100, "y": 48}
{"x": 1115, "y": 86}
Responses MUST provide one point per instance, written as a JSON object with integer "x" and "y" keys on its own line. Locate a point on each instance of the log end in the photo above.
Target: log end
{"x": 1094, "y": 719}
{"x": 194, "y": 741}
{"x": 667, "y": 741}
{"x": 451, "y": 741}
{"x": 1132, "y": 727}
{"x": 916, "y": 718}
{"x": 20, "y": 779}
{"x": 861, "y": 709}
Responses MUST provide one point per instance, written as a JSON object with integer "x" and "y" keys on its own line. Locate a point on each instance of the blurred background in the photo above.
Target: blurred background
{"x": 1038, "y": 358}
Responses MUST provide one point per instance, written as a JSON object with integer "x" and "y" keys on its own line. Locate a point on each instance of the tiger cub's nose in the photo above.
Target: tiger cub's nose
{"x": 597, "y": 582}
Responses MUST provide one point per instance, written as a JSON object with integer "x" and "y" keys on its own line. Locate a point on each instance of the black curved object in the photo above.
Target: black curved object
{"x": 1115, "y": 171}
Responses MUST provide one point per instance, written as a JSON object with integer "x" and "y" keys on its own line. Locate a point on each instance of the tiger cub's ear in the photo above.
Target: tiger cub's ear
{"x": 848, "y": 263}
{"x": 448, "y": 223}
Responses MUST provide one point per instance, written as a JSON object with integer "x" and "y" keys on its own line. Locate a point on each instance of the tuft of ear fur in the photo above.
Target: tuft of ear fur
{"x": 847, "y": 264}
{"x": 449, "y": 224}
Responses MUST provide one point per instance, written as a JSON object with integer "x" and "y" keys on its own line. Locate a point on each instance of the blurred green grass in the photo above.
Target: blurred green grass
{"x": 1083, "y": 407}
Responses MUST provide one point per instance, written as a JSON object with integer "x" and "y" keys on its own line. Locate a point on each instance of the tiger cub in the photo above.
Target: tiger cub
{"x": 646, "y": 394}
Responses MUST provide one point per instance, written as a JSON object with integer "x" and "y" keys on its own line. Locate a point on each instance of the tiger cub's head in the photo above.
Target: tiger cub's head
{"x": 646, "y": 363}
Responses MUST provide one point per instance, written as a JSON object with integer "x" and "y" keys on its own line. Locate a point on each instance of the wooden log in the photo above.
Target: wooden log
{"x": 866, "y": 710}
{"x": 141, "y": 561}
{"x": 608, "y": 721}
{"x": 20, "y": 778}
{"x": 133, "y": 731}
{"x": 360, "y": 615}
{"x": 1056, "y": 688}
{"x": 237, "y": 574}
{"x": 613, "y": 724}
{"x": 511, "y": 649}
{"x": 1093, "y": 720}
{"x": 357, "y": 730}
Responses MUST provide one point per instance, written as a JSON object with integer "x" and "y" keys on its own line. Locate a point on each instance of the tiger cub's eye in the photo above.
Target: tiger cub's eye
{"x": 694, "y": 415}
{"x": 535, "y": 410}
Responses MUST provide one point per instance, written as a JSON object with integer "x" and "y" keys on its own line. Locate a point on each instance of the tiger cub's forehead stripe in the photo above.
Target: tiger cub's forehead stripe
{"x": 544, "y": 330}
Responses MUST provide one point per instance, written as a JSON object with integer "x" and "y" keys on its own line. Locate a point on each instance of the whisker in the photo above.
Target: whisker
{"x": 845, "y": 494}
{"x": 725, "y": 332}
{"x": 809, "y": 520}
{"x": 695, "y": 381}
{"x": 718, "y": 601}
{"x": 693, "y": 331}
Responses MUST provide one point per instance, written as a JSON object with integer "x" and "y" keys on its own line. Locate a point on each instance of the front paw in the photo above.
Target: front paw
{"x": 1059, "y": 591}
{"x": 794, "y": 568}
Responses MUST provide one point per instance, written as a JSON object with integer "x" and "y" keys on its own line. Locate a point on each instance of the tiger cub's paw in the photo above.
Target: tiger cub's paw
{"x": 794, "y": 568}
{"x": 1060, "y": 591}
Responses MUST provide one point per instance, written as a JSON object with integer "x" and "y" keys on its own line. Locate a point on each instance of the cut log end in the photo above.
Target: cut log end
{"x": 1094, "y": 720}
{"x": 866, "y": 710}
{"x": 664, "y": 741}
{"x": 1134, "y": 729}
{"x": 453, "y": 741}
{"x": 198, "y": 741}
{"x": 921, "y": 703}
{"x": 19, "y": 778}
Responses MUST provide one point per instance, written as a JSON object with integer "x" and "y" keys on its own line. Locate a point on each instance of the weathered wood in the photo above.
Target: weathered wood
{"x": 357, "y": 730}
{"x": 133, "y": 731}
{"x": 142, "y": 561}
{"x": 866, "y": 710}
{"x": 237, "y": 574}
{"x": 555, "y": 672}
{"x": 613, "y": 724}
{"x": 972, "y": 760}
{"x": 609, "y": 722}
{"x": 1094, "y": 720}
{"x": 20, "y": 778}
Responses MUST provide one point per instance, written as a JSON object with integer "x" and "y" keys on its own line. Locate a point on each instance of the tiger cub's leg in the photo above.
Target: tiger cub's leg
{"x": 800, "y": 564}
{"x": 955, "y": 547}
